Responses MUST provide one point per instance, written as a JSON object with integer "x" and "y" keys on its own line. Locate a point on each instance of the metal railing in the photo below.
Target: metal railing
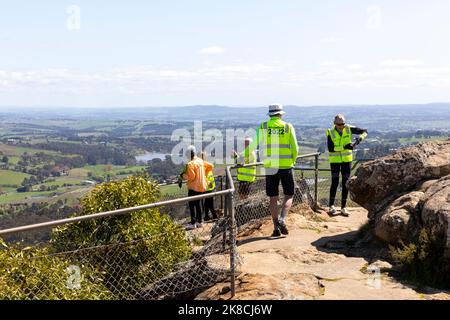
{"x": 209, "y": 243}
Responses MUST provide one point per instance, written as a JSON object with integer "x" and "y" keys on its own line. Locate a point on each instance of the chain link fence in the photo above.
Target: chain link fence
{"x": 175, "y": 264}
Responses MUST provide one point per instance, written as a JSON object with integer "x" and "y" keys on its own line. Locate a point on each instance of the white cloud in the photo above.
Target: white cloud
{"x": 331, "y": 39}
{"x": 136, "y": 79}
{"x": 354, "y": 67}
{"x": 328, "y": 63}
{"x": 400, "y": 63}
{"x": 212, "y": 50}
{"x": 385, "y": 75}
{"x": 254, "y": 77}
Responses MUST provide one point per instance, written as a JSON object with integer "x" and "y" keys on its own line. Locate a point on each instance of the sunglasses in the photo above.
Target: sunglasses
{"x": 340, "y": 124}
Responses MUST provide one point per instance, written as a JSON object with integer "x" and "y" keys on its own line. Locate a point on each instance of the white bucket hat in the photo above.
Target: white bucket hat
{"x": 189, "y": 151}
{"x": 275, "y": 109}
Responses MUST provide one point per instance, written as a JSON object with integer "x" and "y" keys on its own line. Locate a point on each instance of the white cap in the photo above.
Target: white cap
{"x": 248, "y": 139}
{"x": 275, "y": 109}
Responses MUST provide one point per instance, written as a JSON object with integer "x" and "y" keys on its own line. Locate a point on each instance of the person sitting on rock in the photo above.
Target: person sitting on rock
{"x": 340, "y": 148}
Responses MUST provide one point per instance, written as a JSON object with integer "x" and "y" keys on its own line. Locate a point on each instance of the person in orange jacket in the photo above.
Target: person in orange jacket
{"x": 196, "y": 184}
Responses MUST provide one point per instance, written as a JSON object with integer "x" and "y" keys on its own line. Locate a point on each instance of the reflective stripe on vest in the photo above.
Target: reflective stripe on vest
{"x": 211, "y": 181}
{"x": 276, "y": 150}
{"x": 340, "y": 141}
{"x": 247, "y": 173}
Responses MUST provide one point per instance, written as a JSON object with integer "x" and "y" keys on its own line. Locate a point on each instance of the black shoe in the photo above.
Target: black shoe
{"x": 282, "y": 227}
{"x": 276, "y": 232}
{"x": 207, "y": 218}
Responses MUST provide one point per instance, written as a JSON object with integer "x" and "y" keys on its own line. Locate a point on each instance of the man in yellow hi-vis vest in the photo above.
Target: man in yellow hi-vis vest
{"x": 340, "y": 148}
{"x": 208, "y": 203}
{"x": 246, "y": 175}
{"x": 278, "y": 151}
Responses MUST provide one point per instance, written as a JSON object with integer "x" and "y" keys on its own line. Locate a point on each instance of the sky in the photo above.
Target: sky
{"x": 98, "y": 53}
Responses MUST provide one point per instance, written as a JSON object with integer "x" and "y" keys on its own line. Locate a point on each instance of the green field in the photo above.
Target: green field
{"x": 18, "y": 151}
{"x": 173, "y": 189}
{"x": 72, "y": 194}
{"x": 61, "y": 181}
{"x": 103, "y": 170}
{"x": 16, "y": 197}
{"x": 420, "y": 140}
{"x": 8, "y": 177}
{"x": 77, "y": 178}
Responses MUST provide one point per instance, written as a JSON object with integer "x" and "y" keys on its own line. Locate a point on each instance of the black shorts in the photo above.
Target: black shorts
{"x": 287, "y": 181}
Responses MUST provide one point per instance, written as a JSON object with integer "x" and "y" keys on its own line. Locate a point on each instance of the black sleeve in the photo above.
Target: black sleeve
{"x": 356, "y": 130}
{"x": 330, "y": 144}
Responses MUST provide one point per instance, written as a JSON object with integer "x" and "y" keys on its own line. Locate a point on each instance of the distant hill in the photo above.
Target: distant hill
{"x": 381, "y": 117}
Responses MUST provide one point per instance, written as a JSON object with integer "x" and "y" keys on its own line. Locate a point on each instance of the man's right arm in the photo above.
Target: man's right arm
{"x": 254, "y": 144}
{"x": 190, "y": 173}
{"x": 330, "y": 144}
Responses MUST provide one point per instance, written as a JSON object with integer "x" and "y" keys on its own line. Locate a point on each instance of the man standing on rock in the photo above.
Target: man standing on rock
{"x": 278, "y": 151}
{"x": 340, "y": 148}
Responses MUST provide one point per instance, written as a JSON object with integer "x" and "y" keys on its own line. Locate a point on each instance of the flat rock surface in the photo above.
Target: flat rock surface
{"x": 317, "y": 260}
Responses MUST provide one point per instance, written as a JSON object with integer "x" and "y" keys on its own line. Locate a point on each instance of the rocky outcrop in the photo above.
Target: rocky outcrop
{"x": 407, "y": 191}
{"x": 397, "y": 222}
{"x": 435, "y": 213}
{"x": 379, "y": 181}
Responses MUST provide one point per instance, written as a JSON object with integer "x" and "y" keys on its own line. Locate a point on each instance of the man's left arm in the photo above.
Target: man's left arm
{"x": 361, "y": 132}
{"x": 293, "y": 142}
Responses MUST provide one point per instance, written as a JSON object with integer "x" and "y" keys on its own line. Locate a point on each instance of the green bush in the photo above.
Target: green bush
{"x": 137, "y": 248}
{"x": 31, "y": 273}
{"x": 424, "y": 261}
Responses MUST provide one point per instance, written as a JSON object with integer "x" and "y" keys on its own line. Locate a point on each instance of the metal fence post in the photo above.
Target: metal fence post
{"x": 221, "y": 197}
{"x": 232, "y": 245}
{"x": 225, "y": 218}
{"x": 316, "y": 180}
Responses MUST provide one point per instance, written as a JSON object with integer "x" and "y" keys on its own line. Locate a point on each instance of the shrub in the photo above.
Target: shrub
{"x": 424, "y": 261}
{"x": 31, "y": 273}
{"x": 137, "y": 248}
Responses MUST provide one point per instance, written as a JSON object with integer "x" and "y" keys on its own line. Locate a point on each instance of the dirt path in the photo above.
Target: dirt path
{"x": 322, "y": 259}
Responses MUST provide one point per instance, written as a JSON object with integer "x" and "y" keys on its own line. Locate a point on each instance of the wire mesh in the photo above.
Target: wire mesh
{"x": 171, "y": 264}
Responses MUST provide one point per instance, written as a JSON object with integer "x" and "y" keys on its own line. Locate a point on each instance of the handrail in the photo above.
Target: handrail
{"x": 111, "y": 213}
{"x": 55, "y": 223}
{"x": 308, "y": 155}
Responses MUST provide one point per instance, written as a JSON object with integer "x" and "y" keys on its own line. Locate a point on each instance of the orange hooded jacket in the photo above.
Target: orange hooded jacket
{"x": 196, "y": 175}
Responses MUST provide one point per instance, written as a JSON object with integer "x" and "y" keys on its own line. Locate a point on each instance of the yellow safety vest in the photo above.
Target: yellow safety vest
{"x": 211, "y": 181}
{"x": 248, "y": 173}
{"x": 340, "y": 154}
{"x": 275, "y": 148}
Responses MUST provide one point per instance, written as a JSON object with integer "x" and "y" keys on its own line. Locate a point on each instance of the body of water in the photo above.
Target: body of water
{"x": 150, "y": 156}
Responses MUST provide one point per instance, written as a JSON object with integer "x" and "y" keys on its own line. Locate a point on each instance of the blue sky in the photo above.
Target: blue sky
{"x": 240, "y": 53}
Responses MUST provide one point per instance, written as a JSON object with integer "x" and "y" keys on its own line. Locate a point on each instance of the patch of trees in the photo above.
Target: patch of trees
{"x": 24, "y": 214}
{"x": 153, "y": 144}
{"x": 92, "y": 154}
{"x": 163, "y": 170}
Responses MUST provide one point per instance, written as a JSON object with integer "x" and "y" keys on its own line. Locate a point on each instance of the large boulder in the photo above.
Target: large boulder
{"x": 378, "y": 182}
{"x": 435, "y": 213}
{"x": 398, "y": 221}
{"x": 407, "y": 191}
